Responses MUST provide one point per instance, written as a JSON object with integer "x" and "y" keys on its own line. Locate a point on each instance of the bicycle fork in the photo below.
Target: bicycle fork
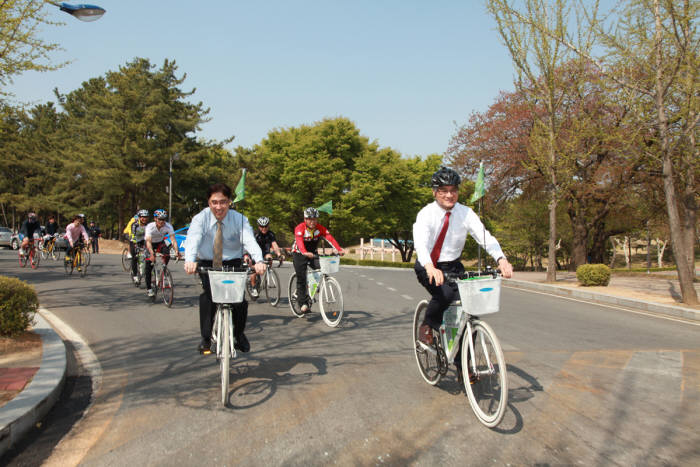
{"x": 472, "y": 355}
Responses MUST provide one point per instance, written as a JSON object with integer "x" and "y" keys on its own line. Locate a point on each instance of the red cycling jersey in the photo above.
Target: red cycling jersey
{"x": 306, "y": 241}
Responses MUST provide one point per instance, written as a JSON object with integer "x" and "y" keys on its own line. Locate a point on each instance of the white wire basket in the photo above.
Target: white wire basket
{"x": 227, "y": 287}
{"x": 480, "y": 295}
{"x": 329, "y": 264}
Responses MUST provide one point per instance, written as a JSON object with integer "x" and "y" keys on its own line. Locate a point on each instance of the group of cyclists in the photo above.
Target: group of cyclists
{"x": 76, "y": 234}
{"x": 220, "y": 236}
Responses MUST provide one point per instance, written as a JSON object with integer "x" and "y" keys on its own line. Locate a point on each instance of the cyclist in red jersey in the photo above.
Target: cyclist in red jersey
{"x": 306, "y": 238}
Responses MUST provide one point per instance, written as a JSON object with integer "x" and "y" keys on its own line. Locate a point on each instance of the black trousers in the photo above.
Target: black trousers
{"x": 301, "y": 264}
{"x": 440, "y": 297}
{"x": 95, "y": 244}
{"x": 134, "y": 259}
{"x": 207, "y": 308}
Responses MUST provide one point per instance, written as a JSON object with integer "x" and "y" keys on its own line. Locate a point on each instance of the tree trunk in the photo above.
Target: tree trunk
{"x": 613, "y": 240}
{"x": 580, "y": 241}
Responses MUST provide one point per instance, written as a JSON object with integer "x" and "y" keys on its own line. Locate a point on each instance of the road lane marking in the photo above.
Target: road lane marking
{"x": 380, "y": 283}
{"x": 391, "y": 289}
{"x": 407, "y": 297}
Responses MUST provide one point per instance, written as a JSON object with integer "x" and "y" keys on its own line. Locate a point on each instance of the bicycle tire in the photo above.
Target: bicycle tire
{"x": 23, "y": 258}
{"x": 331, "y": 301}
{"x": 428, "y": 363}
{"x": 68, "y": 265}
{"x": 225, "y": 361}
{"x": 167, "y": 287}
{"x": 34, "y": 258}
{"x": 54, "y": 255}
{"x": 86, "y": 255}
{"x": 126, "y": 261}
{"x": 488, "y": 392}
{"x": 44, "y": 252}
{"x": 80, "y": 263}
{"x": 249, "y": 287}
{"x": 154, "y": 286}
{"x": 271, "y": 284}
{"x": 292, "y": 294}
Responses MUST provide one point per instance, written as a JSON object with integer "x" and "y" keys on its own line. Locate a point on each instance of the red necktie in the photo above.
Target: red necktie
{"x": 435, "y": 254}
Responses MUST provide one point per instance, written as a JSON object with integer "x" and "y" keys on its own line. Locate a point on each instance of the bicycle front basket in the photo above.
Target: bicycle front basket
{"x": 227, "y": 287}
{"x": 329, "y": 264}
{"x": 480, "y": 295}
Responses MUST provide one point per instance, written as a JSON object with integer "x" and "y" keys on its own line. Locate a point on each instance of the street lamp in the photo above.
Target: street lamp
{"x": 82, "y": 11}
{"x": 173, "y": 157}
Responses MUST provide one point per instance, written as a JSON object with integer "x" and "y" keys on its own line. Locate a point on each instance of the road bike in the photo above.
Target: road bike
{"x": 482, "y": 367}
{"x": 162, "y": 281}
{"x": 75, "y": 261}
{"x": 30, "y": 255}
{"x": 227, "y": 289}
{"x": 321, "y": 287}
{"x": 268, "y": 284}
{"x": 48, "y": 249}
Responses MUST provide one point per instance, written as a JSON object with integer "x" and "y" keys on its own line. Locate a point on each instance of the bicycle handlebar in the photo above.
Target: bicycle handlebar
{"x": 452, "y": 277}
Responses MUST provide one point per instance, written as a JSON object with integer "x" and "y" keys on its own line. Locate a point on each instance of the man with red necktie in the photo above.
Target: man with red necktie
{"x": 439, "y": 234}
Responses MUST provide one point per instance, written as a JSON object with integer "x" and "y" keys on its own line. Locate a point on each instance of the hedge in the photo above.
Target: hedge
{"x": 593, "y": 274}
{"x": 18, "y": 303}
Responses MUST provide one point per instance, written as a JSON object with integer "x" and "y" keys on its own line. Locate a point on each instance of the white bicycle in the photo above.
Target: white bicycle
{"x": 483, "y": 367}
{"x": 323, "y": 288}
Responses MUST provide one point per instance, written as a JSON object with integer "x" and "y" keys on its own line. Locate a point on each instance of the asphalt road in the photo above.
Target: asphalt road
{"x": 588, "y": 384}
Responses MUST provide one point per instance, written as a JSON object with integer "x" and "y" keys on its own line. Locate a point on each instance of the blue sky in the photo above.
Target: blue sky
{"x": 403, "y": 71}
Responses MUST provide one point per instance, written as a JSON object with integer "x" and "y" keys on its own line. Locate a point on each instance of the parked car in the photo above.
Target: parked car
{"x": 15, "y": 241}
{"x": 6, "y": 237}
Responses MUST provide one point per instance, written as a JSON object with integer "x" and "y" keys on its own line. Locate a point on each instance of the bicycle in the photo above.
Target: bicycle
{"x": 31, "y": 255}
{"x": 48, "y": 249}
{"x": 76, "y": 260}
{"x": 269, "y": 283}
{"x": 322, "y": 288}
{"x": 482, "y": 365}
{"x": 162, "y": 279}
{"x": 227, "y": 289}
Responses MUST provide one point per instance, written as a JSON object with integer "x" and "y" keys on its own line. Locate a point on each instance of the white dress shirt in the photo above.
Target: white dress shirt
{"x": 462, "y": 221}
{"x": 237, "y": 233}
{"x": 157, "y": 235}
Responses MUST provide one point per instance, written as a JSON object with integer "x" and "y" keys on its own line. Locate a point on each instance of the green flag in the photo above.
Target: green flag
{"x": 479, "y": 185}
{"x": 240, "y": 188}
{"x": 326, "y": 207}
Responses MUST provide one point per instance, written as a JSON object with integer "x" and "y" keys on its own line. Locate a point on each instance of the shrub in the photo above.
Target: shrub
{"x": 18, "y": 303}
{"x": 593, "y": 274}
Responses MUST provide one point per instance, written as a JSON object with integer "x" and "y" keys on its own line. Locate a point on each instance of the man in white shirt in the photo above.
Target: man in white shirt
{"x": 236, "y": 237}
{"x": 439, "y": 234}
{"x": 155, "y": 235}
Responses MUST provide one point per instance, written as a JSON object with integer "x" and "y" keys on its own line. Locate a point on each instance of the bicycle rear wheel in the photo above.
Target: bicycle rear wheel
{"x": 331, "y": 301}
{"x": 428, "y": 361}
{"x": 34, "y": 258}
{"x": 225, "y": 361}
{"x": 154, "y": 286}
{"x": 68, "y": 264}
{"x": 486, "y": 382}
{"x": 292, "y": 294}
{"x": 167, "y": 287}
{"x": 271, "y": 284}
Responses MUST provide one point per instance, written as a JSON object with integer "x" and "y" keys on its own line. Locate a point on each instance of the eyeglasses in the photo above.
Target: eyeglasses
{"x": 222, "y": 202}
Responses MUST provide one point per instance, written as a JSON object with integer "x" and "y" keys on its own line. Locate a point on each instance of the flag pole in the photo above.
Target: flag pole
{"x": 481, "y": 204}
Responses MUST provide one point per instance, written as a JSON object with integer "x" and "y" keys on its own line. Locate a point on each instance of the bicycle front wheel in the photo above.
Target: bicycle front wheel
{"x": 485, "y": 376}
{"x": 86, "y": 256}
{"x": 80, "y": 263}
{"x": 126, "y": 260}
{"x": 23, "y": 259}
{"x": 225, "y": 347}
{"x": 68, "y": 264}
{"x": 428, "y": 361}
{"x": 167, "y": 288}
{"x": 292, "y": 294}
{"x": 271, "y": 284}
{"x": 331, "y": 301}
{"x": 34, "y": 258}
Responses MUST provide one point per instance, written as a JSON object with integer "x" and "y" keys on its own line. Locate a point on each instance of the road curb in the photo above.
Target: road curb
{"x": 596, "y": 297}
{"x": 35, "y": 401}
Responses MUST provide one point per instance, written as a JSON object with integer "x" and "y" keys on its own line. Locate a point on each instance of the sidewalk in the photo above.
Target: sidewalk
{"x": 35, "y": 400}
{"x": 656, "y": 293}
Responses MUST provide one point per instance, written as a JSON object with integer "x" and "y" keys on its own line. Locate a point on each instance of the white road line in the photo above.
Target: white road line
{"x": 380, "y": 283}
{"x": 391, "y": 289}
{"x": 407, "y": 297}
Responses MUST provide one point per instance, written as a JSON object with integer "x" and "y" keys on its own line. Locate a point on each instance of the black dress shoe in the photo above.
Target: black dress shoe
{"x": 204, "y": 346}
{"x": 242, "y": 343}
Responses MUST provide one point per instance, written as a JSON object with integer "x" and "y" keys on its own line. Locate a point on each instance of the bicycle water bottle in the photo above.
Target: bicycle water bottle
{"x": 450, "y": 325}
{"x": 312, "y": 278}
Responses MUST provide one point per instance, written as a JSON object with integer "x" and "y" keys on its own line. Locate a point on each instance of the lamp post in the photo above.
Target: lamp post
{"x": 83, "y": 12}
{"x": 170, "y": 187}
